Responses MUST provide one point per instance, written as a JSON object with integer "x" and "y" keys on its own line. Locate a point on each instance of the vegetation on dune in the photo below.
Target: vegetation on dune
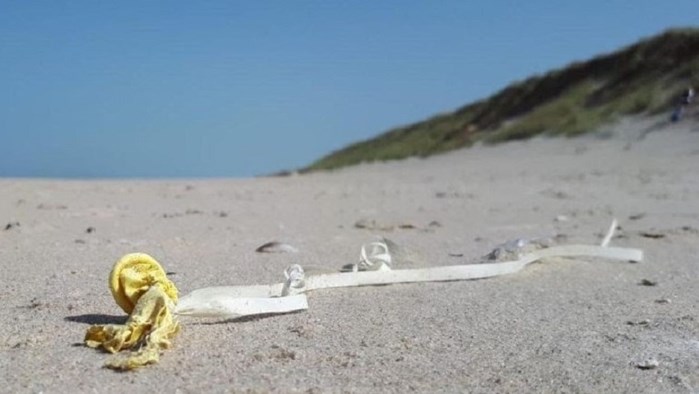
{"x": 644, "y": 78}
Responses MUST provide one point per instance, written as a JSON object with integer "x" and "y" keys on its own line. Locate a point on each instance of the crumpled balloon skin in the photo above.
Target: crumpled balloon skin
{"x": 141, "y": 288}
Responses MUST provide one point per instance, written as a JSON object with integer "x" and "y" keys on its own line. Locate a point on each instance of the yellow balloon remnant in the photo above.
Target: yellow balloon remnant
{"x": 133, "y": 275}
{"x": 141, "y": 288}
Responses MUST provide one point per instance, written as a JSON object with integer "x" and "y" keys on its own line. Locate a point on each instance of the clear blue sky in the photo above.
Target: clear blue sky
{"x": 226, "y": 88}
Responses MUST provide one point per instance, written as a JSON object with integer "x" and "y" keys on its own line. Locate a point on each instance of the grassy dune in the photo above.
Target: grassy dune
{"x": 644, "y": 78}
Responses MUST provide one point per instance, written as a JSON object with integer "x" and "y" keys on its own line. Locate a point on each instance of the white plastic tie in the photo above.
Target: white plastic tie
{"x": 295, "y": 280}
{"x": 374, "y": 256}
{"x": 610, "y": 233}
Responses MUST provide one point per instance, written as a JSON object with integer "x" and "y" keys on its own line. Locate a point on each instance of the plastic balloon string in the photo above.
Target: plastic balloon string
{"x": 373, "y": 268}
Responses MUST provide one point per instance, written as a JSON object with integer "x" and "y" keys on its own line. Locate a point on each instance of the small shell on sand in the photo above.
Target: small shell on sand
{"x": 650, "y": 363}
{"x": 276, "y": 247}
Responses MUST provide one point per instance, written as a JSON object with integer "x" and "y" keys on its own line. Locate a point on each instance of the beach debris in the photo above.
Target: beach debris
{"x": 462, "y": 272}
{"x": 90, "y": 230}
{"x": 235, "y": 301}
{"x": 375, "y": 267}
{"x": 276, "y": 247}
{"x": 637, "y": 216}
{"x": 371, "y": 224}
{"x": 648, "y": 282}
{"x": 434, "y": 223}
{"x": 652, "y": 235}
{"x": 662, "y": 301}
{"x": 561, "y": 218}
{"x": 649, "y": 363}
{"x": 509, "y": 250}
{"x": 638, "y": 322}
{"x": 11, "y": 225}
{"x": 610, "y": 233}
{"x": 374, "y": 256}
{"x": 141, "y": 288}
{"x": 365, "y": 223}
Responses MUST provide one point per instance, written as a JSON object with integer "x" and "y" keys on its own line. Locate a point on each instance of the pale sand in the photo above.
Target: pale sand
{"x": 563, "y": 325}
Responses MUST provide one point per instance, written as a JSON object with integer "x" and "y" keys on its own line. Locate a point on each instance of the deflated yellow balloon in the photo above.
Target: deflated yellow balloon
{"x": 133, "y": 275}
{"x": 141, "y": 288}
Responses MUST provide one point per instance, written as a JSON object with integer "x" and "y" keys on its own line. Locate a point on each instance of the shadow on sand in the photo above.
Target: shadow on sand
{"x": 95, "y": 318}
{"x": 241, "y": 319}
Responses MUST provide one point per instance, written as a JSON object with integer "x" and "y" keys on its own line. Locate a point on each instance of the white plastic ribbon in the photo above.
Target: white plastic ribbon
{"x": 237, "y": 301}
{"x": 465, "y": 272}
{"x": 610, "y": 233}
{"x": 373, "y": 268}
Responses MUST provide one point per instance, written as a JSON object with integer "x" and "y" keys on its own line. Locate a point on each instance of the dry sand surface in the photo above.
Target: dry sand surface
{"x": 583, "y": 325}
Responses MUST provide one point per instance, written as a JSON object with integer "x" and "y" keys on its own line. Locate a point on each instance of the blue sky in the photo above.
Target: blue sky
{"x": 233, "y": 89}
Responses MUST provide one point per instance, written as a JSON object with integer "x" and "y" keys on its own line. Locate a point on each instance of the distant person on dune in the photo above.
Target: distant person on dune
{"x": 687, "y": 98}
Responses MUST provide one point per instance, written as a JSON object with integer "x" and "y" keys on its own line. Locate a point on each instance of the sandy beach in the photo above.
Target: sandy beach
{"x": 563, "y": 325}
